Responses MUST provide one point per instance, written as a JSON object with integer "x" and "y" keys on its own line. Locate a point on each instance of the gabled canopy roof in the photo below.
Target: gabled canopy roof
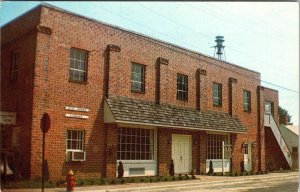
{"x": 126, "y": 110}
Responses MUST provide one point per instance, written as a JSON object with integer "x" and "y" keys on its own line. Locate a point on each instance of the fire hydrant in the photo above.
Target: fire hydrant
{"x": 70, "y": 179}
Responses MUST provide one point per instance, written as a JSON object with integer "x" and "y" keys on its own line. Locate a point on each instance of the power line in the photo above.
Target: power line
{"x": 279, "y": 86}
{"x": 249, "y": 26}
{"x": 193, "y": 30}
{"x": 197, "y": 57}
{"x": 198, "y": 54}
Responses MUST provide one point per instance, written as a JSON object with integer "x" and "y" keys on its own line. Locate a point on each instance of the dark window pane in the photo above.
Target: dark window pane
{"x": 77, "y": 65}
{"x": 181, "y": 87}
{"x": 137, "y": 77}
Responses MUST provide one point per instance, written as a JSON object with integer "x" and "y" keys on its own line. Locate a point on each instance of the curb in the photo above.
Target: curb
{"x": 173, "y": 186}
{"x": 197, "y": 185}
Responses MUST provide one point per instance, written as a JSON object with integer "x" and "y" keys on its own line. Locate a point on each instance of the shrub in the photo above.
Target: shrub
{"x": 120, "y": 170}
{"x": 211, "y": 169}
{"x": 193, "y": 174}
{"x": 60, "y": 183}
{"x": 123, "y": 181}
{"x": 113, "y": 181}
{"x": 171, "y": 168}
{"x": 79, "y": 182}
{"x": 186, "y": 177}
{"x": 103, "y": 181}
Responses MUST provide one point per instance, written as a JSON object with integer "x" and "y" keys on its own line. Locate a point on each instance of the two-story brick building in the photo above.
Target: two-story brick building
{"x": 115, "y": 95}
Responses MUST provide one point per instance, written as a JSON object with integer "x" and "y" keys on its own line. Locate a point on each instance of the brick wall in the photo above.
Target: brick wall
{"x": 110, "y": 53}
{"x": 274, "y": 156}
{"x": 272, "y": 95}
{"x": 17, "y": 96}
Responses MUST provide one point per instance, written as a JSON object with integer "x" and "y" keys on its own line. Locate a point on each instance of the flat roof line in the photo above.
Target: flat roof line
{"x": 43, "y": 4}
{"x": 143, "y": 35}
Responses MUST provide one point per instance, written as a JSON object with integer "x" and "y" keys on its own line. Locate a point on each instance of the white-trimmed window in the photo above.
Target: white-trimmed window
{"x": 135, "y": 144}
{"x": 247, "y": 100}
{"x": 182, "y": 87}
{"x": 214, "y": 145}
{"x": 137, "y": 78}
{"x": 217, "y": 94}
{"x": 78, "y": 65}
{"x": 14, "y": 66}
{"x": 75, "y": 140}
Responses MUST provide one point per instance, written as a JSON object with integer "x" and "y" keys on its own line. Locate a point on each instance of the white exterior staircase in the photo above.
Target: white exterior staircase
{"x": 270, "y": 122}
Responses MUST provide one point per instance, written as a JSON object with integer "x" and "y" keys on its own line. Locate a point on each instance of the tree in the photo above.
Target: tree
{"x": 282, "y": 111}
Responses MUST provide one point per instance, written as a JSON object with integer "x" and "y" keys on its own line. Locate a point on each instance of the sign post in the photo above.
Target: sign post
{"x": 45, "y": 126}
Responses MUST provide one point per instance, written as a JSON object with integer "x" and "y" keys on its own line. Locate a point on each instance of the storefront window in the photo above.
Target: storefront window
{"x": 135, "y": 144}
{"x": 214, "y": 145}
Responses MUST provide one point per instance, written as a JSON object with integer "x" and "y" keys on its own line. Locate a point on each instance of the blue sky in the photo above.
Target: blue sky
{"x": 262, "y": 36}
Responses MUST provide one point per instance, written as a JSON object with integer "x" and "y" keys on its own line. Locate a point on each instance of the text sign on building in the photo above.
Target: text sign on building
{"x": 76, "y": 109}
{"x": 8, "y": 118}
{"x": 76, "y": 116}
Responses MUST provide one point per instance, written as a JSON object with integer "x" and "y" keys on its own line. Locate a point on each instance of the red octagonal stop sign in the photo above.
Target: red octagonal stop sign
{"x": 45, "y": 123}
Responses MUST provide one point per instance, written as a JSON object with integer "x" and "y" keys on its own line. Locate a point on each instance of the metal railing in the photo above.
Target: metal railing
{"x": 270, "y": 122}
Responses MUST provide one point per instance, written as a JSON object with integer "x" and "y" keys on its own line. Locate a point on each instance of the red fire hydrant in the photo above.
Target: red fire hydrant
{"x": 70, "y": 179}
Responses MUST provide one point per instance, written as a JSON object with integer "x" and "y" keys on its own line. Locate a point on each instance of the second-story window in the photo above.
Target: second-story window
{"x": 246, "y": 101}
{"x": 14, "y": 66}
{"x": 269, "y": 107}
{"x": 137, "y": 77}
{"x": 78, "y": 65}
{"x": 182, "y": 87}
{"x": 217, "y": 94}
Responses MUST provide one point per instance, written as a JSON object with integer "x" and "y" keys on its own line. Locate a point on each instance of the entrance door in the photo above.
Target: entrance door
{"x": 181, "y": 153}
{"x": 269, "y": 107}
{"x": 247, "y": 157}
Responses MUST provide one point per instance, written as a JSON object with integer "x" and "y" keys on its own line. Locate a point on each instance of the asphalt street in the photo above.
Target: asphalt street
{"x": 278, "y": 185}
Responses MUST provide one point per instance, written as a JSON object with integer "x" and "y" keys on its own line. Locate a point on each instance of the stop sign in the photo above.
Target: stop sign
{"x": 45, "y": 123}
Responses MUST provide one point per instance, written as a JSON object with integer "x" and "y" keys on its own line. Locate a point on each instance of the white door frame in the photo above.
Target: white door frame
{"x": 180, "y": 151}
{"x": 248, "y": 156}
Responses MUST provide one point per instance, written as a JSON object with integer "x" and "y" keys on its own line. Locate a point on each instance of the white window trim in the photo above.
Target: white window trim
{"x": 83, "y": 140}
{"x": 154, "y": 160}
{"x": 217, "y": 133}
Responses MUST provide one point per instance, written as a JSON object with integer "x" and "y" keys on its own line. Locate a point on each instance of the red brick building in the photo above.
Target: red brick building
{"x": 114, "y": 95}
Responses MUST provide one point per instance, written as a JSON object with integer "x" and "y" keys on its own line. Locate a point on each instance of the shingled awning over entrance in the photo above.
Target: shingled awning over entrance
{"x": 126, "y": 110}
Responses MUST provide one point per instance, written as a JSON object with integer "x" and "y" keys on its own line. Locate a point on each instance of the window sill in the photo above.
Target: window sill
{"x": 217, "y": 105}
{"x": 139, "y": 92}
{"x": 137, "y": 161}
{"x": 182, "y": 100}
{"x": 77, "y": 82}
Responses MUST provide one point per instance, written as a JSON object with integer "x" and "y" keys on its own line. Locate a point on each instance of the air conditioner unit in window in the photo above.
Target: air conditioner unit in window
{"x": 75, "y": 155}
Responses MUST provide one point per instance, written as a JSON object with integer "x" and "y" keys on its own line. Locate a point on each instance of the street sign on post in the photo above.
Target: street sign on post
{"x": 45, "y": 126}
{"x": 45, "y": 123}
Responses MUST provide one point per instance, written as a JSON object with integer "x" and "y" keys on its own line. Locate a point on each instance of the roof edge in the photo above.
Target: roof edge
{"x": 22, "y": 15}
{"x": 270, "y": 88}
{"x": 142, "y": 35}
{"x": 173, "y": 126}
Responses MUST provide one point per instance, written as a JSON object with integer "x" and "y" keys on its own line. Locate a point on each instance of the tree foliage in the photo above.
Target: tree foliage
{"x": 282, "y": 111}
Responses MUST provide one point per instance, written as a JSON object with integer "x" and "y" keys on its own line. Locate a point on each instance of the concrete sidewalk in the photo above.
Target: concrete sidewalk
{"x": 200, "y": 181}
